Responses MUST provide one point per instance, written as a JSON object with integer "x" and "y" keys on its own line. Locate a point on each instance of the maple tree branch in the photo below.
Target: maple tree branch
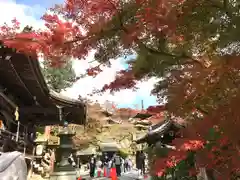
{"x": 77, "y": 39}
{"x": 202, "y": 110}
{"x": 154, "y": 51}
{"x": 138, "y": 41}
{"x": 92, "y": 61}
{"x": 140, "y": 44}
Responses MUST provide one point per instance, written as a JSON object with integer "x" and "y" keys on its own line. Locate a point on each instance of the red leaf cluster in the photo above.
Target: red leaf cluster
{"x": 124, "y": 80}
{"x": 94, "y": 71}
{"x": 54, "y": 43}
{"x": 175, "y": 156}
{"x": 222, "y": 156}
{"x": 156, "y": 109}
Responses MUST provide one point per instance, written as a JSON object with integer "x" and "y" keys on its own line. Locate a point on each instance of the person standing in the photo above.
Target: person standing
{"x": 110, "y": 165}
{"x": 130, "y": 164}
{"x": 92, "y": 165}
{"x": 118, "y": 162}
{"x": 99, "y": 166}
{"x": 127, "y": 164}
{"x": 142, "y": 158}
{"x": 126, "y": 169}
{"x": 138, "y": 165}
{"x": 105, "y": 160}
{"x": 122, "y": 165}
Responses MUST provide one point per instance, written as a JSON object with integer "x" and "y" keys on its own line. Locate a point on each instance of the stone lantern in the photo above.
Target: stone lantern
{"x": 63, "y": 168}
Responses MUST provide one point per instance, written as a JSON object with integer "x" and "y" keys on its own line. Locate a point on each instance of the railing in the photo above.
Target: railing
{"x": 7, "y": 134}
{"x": 21, "y": 143}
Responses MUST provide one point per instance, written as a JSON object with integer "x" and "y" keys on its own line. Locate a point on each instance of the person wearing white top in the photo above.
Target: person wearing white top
{"x": 99, "y": 164}
{"x": 130, "y": 164}
{"x": 12, "y": 163}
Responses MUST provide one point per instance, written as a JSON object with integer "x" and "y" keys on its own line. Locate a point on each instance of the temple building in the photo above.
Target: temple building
{"x": 161, "y": 133}
{"x": 26, "y": 102}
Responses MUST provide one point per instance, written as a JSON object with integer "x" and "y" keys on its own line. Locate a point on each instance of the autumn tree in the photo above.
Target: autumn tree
{"x": 191, "y": 46}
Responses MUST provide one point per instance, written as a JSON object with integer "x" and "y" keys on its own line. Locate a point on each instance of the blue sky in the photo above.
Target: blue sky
{"x": 147, "y": 101}
{"x": 151, "y": 100}
{"x": 126, "y": 98}
{"x": 41, "y": 5}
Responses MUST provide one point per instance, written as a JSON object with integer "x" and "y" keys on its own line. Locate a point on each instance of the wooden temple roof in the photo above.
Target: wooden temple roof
{"x": 23, "y": 83}
{"x": 142, "y": 115}
{"x": 159, "y": 129}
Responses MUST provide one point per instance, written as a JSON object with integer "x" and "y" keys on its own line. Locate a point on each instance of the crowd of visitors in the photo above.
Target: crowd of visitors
{"x": 121, "y": 164}
{"x": 12, "y": 163}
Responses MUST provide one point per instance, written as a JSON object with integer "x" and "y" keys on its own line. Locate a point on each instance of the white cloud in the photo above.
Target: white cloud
{"x": 85, "y": 86}
{"x": 23, "y": 13}
{"x": 9, "y": 9}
